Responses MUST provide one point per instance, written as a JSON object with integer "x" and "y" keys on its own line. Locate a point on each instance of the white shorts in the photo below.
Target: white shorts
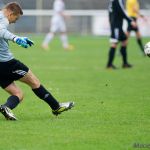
{"x": 58, "y": 25}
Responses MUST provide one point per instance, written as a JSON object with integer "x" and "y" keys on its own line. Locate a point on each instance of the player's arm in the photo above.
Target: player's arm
{"x": 65, "y": 15}
{"x": 136, "y": 10}
{"x": 140, "y": 15}
{"x": 21, "y": 41}
{"x": 62, "y": 13}
{"x": 4, "y": 33}
{"x": 123, "y": 11}
{"x": 124, "y": 14}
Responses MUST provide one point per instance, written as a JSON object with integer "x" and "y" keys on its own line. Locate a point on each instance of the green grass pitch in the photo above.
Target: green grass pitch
{"x": 112, "y": 108}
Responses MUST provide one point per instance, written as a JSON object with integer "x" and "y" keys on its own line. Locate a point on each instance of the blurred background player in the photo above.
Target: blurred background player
{"x": 133, "y": 7}
{"x": 58, "y": 25}
{"x": 116, "y": 15}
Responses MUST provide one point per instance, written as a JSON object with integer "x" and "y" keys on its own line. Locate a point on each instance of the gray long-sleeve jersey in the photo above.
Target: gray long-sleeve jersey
{"x": 5, "y": 36}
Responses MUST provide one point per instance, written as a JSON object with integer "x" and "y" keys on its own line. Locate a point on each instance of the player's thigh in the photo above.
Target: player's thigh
{"x": 54, "y": 27}
{"x": 62, "y": 26}
{"x": 13, "y": 89}
{"x": 31, "y": 80}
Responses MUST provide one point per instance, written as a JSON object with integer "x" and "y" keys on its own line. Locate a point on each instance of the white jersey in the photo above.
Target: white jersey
{"x": 58, "y": 7}
{"x": 57, "y": 21}
{"x": 5, "y": 35}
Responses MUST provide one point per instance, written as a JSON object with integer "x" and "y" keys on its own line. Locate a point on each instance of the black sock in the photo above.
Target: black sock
{"x": 139, "y": 41}
{"x": 12, "y": 102}
{"x": 111, "y": 56}
{"x": 123, "y": 52}
{"x": 43, "y": 94}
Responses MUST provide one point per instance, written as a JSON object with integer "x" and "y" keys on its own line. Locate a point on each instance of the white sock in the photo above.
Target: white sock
{"x": 64, "y": 39}
{"x": 48, "y": 38}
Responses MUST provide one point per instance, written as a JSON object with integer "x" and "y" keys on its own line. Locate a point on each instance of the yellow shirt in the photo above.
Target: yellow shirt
{"x": 130, "y": 6}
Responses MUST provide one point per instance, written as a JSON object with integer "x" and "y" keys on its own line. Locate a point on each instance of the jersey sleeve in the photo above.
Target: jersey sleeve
{"x": 123, "y": 11}
{"x": 4, "y": 33}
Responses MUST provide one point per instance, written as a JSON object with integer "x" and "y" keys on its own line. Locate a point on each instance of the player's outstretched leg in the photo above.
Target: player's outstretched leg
{"x": 46, "y": 96}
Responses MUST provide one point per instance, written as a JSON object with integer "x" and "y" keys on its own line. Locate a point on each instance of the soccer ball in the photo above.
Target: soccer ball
{"x": 147, "y": 49}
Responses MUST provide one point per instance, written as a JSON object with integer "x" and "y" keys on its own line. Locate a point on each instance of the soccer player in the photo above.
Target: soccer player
{"x": 116, "y": 15}
{"x": 58, "y": 25}
{"x": 133, "y": 8}
{"x": 12, "y": 69}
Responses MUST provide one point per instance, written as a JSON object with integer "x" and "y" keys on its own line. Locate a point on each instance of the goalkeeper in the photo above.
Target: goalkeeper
{"x": 12, "y": 69}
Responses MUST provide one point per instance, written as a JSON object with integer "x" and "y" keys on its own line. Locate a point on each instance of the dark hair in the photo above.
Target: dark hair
{"x": 14, "y": 7}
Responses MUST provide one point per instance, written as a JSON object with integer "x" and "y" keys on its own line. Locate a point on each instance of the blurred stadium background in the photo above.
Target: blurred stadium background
{"x": 88, "y": 17}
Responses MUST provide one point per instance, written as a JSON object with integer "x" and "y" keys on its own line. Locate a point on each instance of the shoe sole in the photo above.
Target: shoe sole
{"x": 3, "y": 111}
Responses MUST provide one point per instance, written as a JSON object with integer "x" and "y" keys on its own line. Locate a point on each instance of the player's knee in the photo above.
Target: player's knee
{"x": 32, "y": 80}
{"x": 114, "y": 45}
{"x": 124, "y": 44}
{"x": 35, "y": 83}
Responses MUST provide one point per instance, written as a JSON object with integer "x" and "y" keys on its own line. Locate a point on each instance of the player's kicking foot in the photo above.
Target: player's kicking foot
{"x": 63, "y": 107}
{"x": 7, "y": 113}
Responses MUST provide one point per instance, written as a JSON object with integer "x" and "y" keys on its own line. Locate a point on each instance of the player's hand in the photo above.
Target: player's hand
{"x": 23, "y": 42}
{"x": 67, "y": 16}
{"x": 29, "y": 42}
{"x": 142, "y": 16}
{"x": 134, "y": 24}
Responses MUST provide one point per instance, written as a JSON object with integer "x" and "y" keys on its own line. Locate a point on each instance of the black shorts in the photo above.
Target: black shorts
{"x": 131, "y": 28}
{"x": 10, "y": 71}
{"x": 117, "y": 34}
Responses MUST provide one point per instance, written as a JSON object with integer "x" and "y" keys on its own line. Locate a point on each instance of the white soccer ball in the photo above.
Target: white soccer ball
{"x": 147, "y": 49}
